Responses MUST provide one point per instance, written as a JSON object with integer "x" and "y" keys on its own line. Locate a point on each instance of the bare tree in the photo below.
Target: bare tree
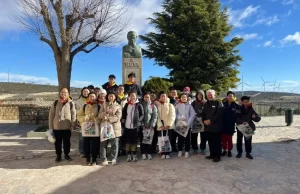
{"x": 73, "y": 26}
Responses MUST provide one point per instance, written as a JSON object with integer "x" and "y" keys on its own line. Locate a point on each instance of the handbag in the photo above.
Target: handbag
{"x": 148, "y": 136}
{"x": 90, "y": 129}
{"x": 182, "y": 128}
{"x": 107, "y": 131}
{"x": 198, "y": 125}
{"x": 164, "y": 144}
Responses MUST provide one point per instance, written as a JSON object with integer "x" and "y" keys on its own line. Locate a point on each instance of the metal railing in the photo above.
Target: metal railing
{"x": 276, "y": 108}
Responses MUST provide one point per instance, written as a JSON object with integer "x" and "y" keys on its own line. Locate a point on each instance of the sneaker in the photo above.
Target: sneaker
{"x": 216, "y": 160}
{"x": 202, "y": 152}
{"x": 114, "y": 162}
{"x": 82, "y": 156}
{"x": 94, "y": 163}
{"x": 224, "y": 153}
{"x": 149, "y": 157}
{"x": 208, "y": 157}
{"x": 89, "y": 163}
{"x": 129, "y": 158}
{"x": 179, "y": 154}
{"x": 105, "y": 163}
{"x": 186, "y": 156}
{"x": 134, "y": 158}
{"x": 239, "y": 155}
{"x": 195, "y": 152}
{"x": 67, "y": 157}
{"x": 163, "y": 156}
{"x": 144, "y": 157}
{"x": 249, "y": 156}
{"x": 229, "y": 154}
{"x": 57, "y": 159}
{"x": 168, "y": 157}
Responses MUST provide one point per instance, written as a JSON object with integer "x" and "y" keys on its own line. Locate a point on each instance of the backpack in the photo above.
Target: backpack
{"x": 56, "y": 101}
{"x": 85, "y": 106}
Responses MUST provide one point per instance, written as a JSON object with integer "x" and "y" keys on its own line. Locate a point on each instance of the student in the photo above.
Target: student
{"x": 153, "y": 98}
{"x": 132, "y": 118}
{"x": 89, "y": 113}
{"x": 122, "y": 97}
{"x": 166, "y": 119}
{"x": 132, "y": 86}
{"x": 62, "y": 117}
{"x": 97, "y": 91}
{"x": 174, "y": 100}
{"x": 83, "y": 99}
{"x": 198, "y": 106}
{"x": 111, "y": 112}
{"x": 91, "y": 88}
{"x": 212, "y": 119}
{"x": 246, "y": 115}
{"x": 102, "y": 97}
{"x": 111, "y": 85}
{"x": 229, "y": 118}
{"x": 150, "y": 120}
{"x": 184, "y": 111}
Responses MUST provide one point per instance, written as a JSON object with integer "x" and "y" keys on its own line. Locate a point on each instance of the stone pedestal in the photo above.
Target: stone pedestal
{"x": 132, "y": 65}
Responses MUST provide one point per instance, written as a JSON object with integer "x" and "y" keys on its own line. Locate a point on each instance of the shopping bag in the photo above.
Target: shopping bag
{"x": 164, "y": 144}
{"x": 50, "y": 135}
{"x": 107, "y": 131}
{"x": 198, "y": 125}
{"x": 148, "y": 136}
{"x": 246, "y": 130}
{"x": 182, "y": 128}
{"x": 90, "y": 129}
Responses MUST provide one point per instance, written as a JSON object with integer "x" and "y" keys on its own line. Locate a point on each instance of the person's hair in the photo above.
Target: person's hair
{"x": 172, "y": 88}
{"x": 112, "y": 76}
{"x": 132, "y": 74}
{"x": 63, "y": 89}
{"x": 91, "y": 87}
{"x": 84, "y": 88}
{"x": 120, "y": 86}
{"x": 245, "y": 98}
{"x": 146, "y": 93}
{"x": 132, "y": 92}
{"x": 97, "y": 88}
{"x": 92, "y": 93}
{"x": 161, "y": 93}
{"x": 131, "y": 32}
{"x": 184, "y": 93}
{"x": 230, "y": 92}
{"x": 210, "y": 91}
{"x": 111, "y": 92}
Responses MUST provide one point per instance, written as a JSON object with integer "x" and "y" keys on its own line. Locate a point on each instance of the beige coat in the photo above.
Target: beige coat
{"x": 166, "y": 112}
{"x": 62, "y": 117}
{"x": 90, "y": 114}
{"x": 79, "y": 103}
{"x": 114, "y": 117}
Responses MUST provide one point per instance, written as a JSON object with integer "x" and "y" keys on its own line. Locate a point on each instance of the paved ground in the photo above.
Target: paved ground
{"x": 26, "y": 166}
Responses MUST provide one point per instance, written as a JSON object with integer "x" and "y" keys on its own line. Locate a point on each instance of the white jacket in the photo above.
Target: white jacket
{"x": 166, "y": 113}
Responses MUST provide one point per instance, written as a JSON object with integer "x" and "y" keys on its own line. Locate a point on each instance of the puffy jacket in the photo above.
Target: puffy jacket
{"x": 213, "y": 111}
{"x": 166, "y": 115}
{"x": 187, "y": 111}
{"x": 150, "y": 115}
{"x": 138, "y": 115}
{"x": 245, "y": 115}
{"x": 114, "y": 117}
{"x": 229, "y": 117}
{"x": 108, "y": 88}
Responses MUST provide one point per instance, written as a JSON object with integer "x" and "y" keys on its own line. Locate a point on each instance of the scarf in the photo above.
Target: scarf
{"x": 130, "y": 103}
{"x": 101, "y": 102}
{"x": 64, "y": 100}
{"x": 130, "y": 83}
{"x": 121, "y": 96}
{"x": 162, "y": 102}
{"x": 91, "y": 103}
{"x": 109, "y": 86}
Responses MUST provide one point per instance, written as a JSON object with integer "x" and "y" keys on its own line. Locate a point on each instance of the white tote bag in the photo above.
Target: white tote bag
{"x": 198, "y": 125}
{"x": 148, "y": 136}
{"x": 90, "y": 129}
{"x": 164, "y": 144}
{"x": 182, "y": 128}
{"x": 107, "y": 131}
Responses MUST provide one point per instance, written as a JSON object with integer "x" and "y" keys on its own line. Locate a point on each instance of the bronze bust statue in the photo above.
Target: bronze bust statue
{"x": 132, "y": 50}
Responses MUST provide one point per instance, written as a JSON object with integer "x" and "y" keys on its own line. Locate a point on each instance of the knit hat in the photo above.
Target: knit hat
{"x": 187, "y": 89}
{"x": 102, "y": 91}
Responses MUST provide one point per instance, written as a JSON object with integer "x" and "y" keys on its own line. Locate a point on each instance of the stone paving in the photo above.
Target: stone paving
{"x": 27, "y": 166}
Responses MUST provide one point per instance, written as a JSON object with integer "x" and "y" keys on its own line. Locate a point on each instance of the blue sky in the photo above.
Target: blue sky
{"x": 271, "y": 48}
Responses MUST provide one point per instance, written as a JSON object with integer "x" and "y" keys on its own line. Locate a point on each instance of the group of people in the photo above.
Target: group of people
{"x": 131, "y": 112}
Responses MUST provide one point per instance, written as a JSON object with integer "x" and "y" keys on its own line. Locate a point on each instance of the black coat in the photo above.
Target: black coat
{"x": 213, "y": 111}
{"x": 113, "y": 88}
{"x": 245, "y": 115}
{"x": 173, "y": 101}
{"x": 229, "y": 117}
{"x": 133, "y": 88}
{"x": 198, "y": 107}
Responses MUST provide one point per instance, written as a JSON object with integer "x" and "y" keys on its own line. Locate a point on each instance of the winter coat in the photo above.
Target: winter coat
{"x": 185, "y": 110}
{"x": 138, "y": 115}
{"x": 198, "y": 107}
{"x": 89, "y": 113}
{"x": 150, "y": 115}
{"x": 173, "y": 101}
{"x": 213, "y": 111}
{"x": 166, "y": 115}
{"x": 113, "y": 88}
{"x": 245, "y": 115}
{"x": 114, "y": 117}
{"x": 133, "y": 87}
{"x": 80, "y": 102}
{"x": 122, "y": 101}
{"x": 229, "y": 117}
{"x": 62, "y": 116}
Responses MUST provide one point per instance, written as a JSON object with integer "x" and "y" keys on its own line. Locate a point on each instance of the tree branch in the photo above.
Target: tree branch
{"x": 93, "y": 48}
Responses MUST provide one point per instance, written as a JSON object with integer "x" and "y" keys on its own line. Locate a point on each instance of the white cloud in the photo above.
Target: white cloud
{"x": 292, "y": 38}
{"x": 4, "y": 77}
{"x": 238, "y": 17}
{"x": 267, "y": 20}
{"x": 268, "y": 43}
{"x": 287, "y": 2}
{"x": 248, "y": 36}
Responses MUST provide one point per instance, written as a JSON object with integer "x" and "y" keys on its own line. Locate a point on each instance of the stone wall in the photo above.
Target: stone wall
{"x": 9, "y": 112}
{"x": 33, "y": 115}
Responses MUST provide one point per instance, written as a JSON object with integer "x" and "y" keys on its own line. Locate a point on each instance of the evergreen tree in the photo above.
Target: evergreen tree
{"x": 156, "y": 85}
{"x": 191, "y": 42}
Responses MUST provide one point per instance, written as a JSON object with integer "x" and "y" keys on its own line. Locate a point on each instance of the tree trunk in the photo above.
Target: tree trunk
{"x": 64, "y": 68}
